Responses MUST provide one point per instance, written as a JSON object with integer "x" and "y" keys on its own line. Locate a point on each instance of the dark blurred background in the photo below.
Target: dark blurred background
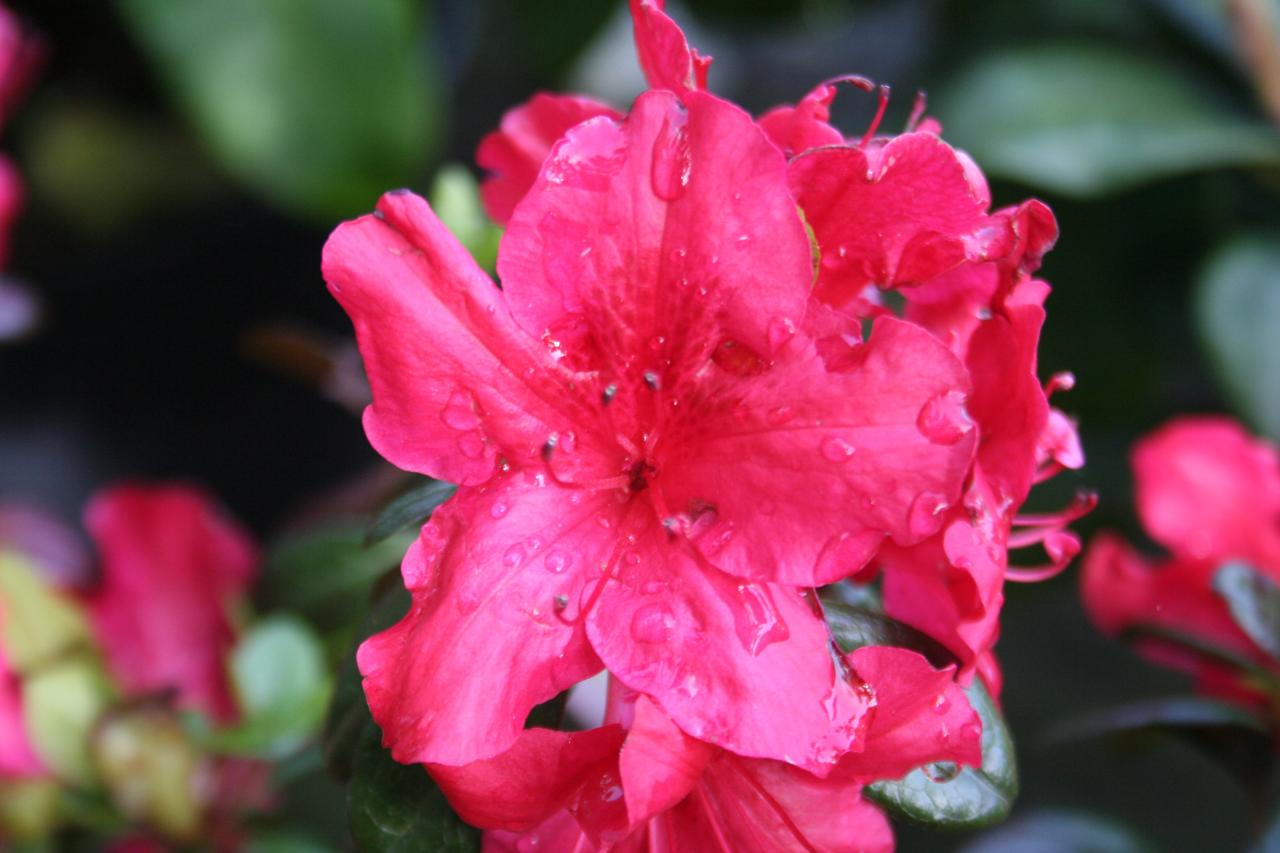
{"x": 185, "y": 160}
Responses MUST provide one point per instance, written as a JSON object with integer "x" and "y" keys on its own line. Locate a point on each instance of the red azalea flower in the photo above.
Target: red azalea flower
{"x": 640, "y": 783}
{"x": 649, "y": 447}
{"x": 1210, "y": 493}
{"x": 18, "y": 758}
{"x": 172, "y": 567}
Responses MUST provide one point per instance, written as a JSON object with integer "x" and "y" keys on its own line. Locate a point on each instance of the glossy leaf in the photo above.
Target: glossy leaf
{"x": 348, "y": 713}
{"x": 397, "y": 808}
{"x": 1234, "y": 736}
{"x": 1086, "y": 120}
{"x": 1238, "y": 312}
{"x": 856, "y": 621}
{"x": 962, "y": 798}
{"x": 409, "y": 510}
{"x": 1254, "y": 602}
{"x": 1061, "y": 832}
{"x": 318, "y": 104}
{"x": 325, "y": 573}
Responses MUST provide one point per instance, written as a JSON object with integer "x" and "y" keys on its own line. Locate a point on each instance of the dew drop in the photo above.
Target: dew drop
{"x": 781, "y": 415}
{"x": 836, "y": 449}
{"x": 557, "y": 561}
{"x": 941, "y": 704}
{"x": 941, "y": 771}
{"x": 514, "y": 556}
{"x": 610, "y": 790}
{"x": 672, "y": 163}
{"x": 944, "y": 420}
{"x": 471, "y": 446}
{"x": 652, "y": 623}
{"x": 926, "y": 514}
{"x": 757, "y": 620}
{"x": 780, "y": 330}
{"x": 459, "y": 412}
{"x": 499, "y": 509}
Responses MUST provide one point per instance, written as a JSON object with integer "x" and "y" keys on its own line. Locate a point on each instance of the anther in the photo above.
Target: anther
{"x": 651, "y": 380}
{"x": 610, "y": 391}
{"x": 561, "y": 602}
{"x": 550, "y": 447}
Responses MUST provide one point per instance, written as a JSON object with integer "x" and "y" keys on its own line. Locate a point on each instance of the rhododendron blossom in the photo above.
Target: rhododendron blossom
{"x": 632, "y": 495}
{"x": 1209, "y": 493}
{"x": 172, "y": 567}
{"x": 640, "y": 783}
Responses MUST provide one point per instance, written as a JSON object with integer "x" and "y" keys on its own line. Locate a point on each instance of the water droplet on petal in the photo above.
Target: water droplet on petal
{"x": 672, "y": 164}
{"x": 557, "y": 560}
{"x": 781, "y": 330}
{"x": 836, "y": 449}
{"x": 781, "y": 415}
{"x": 941, "y": 704}
{"x": 499, "y": 509}
{"x": 471, "y": 445}
{"x": 757, "y": 620}
{"x": 944, "y": 420}
{"x": 652, "y": 623}
{"x": 926, "y": 514}
{"x": 514, "y": 556}
{"x": 941, "y": 771}
{"x": 459, "y": 413}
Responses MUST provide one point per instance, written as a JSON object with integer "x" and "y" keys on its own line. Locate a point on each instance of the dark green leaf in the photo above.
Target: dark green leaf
{"x": 327, "y": 573}
{"x": 409, "y": 510}
{"x": 1254, "y": 601}
{"x": 396, "y": 807}
{"x": 1061, "y": 832}
{"x": 858, "y": 625}
{"x": 1233, "y": 736}
{"x": 1238, "y": 312}
{"x": 972, "y": 797}
{"x": 1085, "y": 120}
{"x": 348, "y": 713}
{"x": 320, "y": 105}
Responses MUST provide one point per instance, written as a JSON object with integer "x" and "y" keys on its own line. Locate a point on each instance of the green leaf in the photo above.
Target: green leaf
{"x": 279, "y": 674}
{"x": 1086, "y": 120}
{"x": 1254, "y": 602}
{"x": 960, "y": 798}
{"x": 320, "y": 105}
{"x": 40, "y": 623}
{"x": 397, "y": 808}
{"x": 349, "y": 713}
{"x": 410, "y": 509}
{"x": 281, "y": 841}
{"x": 1238, "y": 312}
{"x": 855, "y": 625}
{"x": 1261, "y": 677}
{"x": 1234, "y": 736}
{"x": 326, "y": 573}
{"x": 61, "y": 704}
{"x": 455, "y": 197}
{"x": 1061, "y": 832}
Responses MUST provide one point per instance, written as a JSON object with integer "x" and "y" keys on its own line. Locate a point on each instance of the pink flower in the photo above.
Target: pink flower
{"x": 653, "y": 454}
{"x": 640, "y": 783}
{"x": 18, "y": 758}
{"x": 1209, "y": 493}
{"x": 172, "y": 565}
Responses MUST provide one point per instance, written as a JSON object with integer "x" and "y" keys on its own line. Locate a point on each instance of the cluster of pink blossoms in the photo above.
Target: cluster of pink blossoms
{"x": 147, "y": 619}
{"x": 1209, "y": 492}
{"x": 731, "y": 361}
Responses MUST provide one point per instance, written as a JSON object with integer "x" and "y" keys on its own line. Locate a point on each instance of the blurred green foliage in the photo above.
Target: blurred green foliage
{"x": 320, "y": 105}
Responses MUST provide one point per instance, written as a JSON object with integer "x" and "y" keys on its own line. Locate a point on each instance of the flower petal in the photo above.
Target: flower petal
{"x": 525, "y": 785}
{"x": 455, "y": 382}
{"x": 513, "y": 154}
{"x": 498, "y": 577}
{"x": 172, "y": 568}
{"x": 1206, "y": 489}
{"x": 744, "y": 666}
{"x": 18, "y": 758}
{"x": 807, "y": 470}
{"x": 659, "y": 764}
{"x": 894, "y": 215}
{"x": 647, "y": 242}
{"x": 664, "y": 54}
{"x": 921, "y": 716}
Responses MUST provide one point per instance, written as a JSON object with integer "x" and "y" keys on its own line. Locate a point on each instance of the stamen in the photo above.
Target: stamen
{"x": 1083, "y": 504}
{"x": 651, "y": 380}
{"x": 917, "y": 111}
{"x": 1064, "y": 381}
{"x": 875, "y": 122}
{"x": 610, "y": 391}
